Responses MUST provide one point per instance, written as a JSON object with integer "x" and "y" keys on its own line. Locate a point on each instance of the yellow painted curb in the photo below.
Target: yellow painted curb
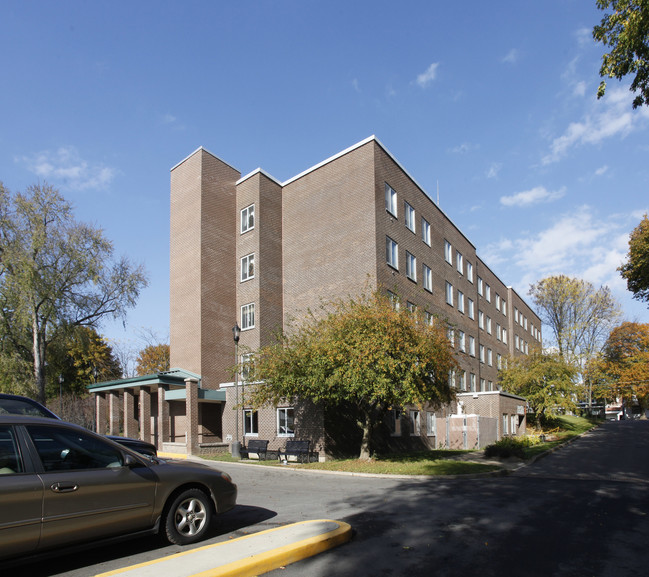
{"x": 171, "y": 455}
{"x": 261, "y": 563}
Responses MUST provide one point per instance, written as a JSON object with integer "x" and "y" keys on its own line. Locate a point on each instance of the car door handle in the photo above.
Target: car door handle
{"x": 64, "y": 488}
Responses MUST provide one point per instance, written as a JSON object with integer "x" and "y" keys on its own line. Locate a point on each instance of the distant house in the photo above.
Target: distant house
{"x": 254, "y": 251}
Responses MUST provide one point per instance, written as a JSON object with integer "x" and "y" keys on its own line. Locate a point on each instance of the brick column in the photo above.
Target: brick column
{"x": 191, "y": 412}
{"x": 113, "y": 413}
{"x": 163, "y": 418}
{"x": 101, "y": 414}
{"x": 130, "y": 423}
{"x": 145, "y": 414}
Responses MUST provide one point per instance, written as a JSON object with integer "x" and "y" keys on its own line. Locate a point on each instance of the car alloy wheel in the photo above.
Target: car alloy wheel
{"x": 189, "y": 517}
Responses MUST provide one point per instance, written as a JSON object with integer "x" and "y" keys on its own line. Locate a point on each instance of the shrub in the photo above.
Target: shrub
{"x": 508, "y": 447}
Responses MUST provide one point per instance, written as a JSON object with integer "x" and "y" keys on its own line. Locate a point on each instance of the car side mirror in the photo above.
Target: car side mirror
{"x": 130, "y": 461}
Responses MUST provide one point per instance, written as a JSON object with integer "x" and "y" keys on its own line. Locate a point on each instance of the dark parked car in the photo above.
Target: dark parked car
{"x": 18, "y": 405}
{"x": 61, "y": 485}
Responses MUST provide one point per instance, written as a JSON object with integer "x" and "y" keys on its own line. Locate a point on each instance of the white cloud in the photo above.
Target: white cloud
{"x": 611, "y": 117}
{"x": 66, "y": 166}
{"x": 425, "y": 78}
{"x": 511, "y": 57}
{"x": 464, "y": 148}
{"x": 601, "y": 171}
{"x": 532, "y": 196}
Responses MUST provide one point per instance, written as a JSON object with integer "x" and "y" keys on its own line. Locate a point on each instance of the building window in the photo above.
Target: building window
{"x": 411, "y": 266}
{"x": 390, "y": 200}
{"x": 394, "y": 300}
{"x": 497, "y": 301}
{"x": 460, "y": 301}
{"x": 410, "y": 216}
{"x": 505, "y": 335}
{"x": 395, "y": 422}
{"x": 499, "y": 361}
{"x": 487, "y": 292}
{"x": 462, "y": 339}
{"x": 248, "y": 267}
{"x": 490, "y": 357}
{"x": 285, "y": 422}
{"x": 472, "y": 346}
{"x": 428, "y": 278}
{"x": 482, "y": 354}
{"x": 450, "y": 335}
{"x": 481, "y": 319}
{"x": 415, "y": 423}
{"x": 499, "y": 332}
{"x": 248, "y": 316}
{"x": 425, "y": 231}
{"x": 469, "y": 272}
{"x": 392, "y": 252}
{"x": 412, "y": 307}
{"x": 503, "y": 307}
{"x": 449, "y": 293}
{"x": 473, "y": 382}
{"x": 505, "y": 424}
{"x": 430, "y": 319}
{"x": 248, "y": 218}
{"x": 250, "y": 423}
{"x": 488, "y": 324}
{"x": 463, "y": 380}
{"x": 460, "y": 262}
{"x": 448, "y": 252}
{"x": 471, "y": 309}
{"x": 245, "y": 366}
{"x": 480, "y": 286}
{"x": 431, "y": 424}
{"x": 451, "y": 378}
{"x": 483, "y": 385}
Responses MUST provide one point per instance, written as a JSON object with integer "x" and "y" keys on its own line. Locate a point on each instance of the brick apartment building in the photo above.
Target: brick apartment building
{"x": 255, "y": 251}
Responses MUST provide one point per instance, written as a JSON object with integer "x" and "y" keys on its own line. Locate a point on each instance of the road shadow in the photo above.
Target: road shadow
{"x": 123, "y": 548}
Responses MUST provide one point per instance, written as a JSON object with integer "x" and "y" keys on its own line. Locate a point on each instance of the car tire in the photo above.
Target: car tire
{"x": 188, "y": 518}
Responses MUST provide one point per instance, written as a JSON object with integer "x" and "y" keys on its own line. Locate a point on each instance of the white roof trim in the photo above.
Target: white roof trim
{"x": 208, "y": 152}
{"x": 258, "y": 171}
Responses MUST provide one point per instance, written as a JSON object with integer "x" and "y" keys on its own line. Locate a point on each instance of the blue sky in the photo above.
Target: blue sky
{"x": 492, "y": 102}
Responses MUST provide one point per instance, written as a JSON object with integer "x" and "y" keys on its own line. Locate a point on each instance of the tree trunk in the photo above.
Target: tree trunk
{"x": 39, "y": 360}
{"x": 367, "y": 437}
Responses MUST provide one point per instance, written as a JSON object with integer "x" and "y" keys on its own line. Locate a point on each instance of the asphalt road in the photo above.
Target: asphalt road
{"x": 581, "y": 511}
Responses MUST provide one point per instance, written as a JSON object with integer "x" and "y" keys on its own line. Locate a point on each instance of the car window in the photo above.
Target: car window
{"x": 9, "y": 457}
{"x": 62, "y": 449}
{"x": 20, "y": 407}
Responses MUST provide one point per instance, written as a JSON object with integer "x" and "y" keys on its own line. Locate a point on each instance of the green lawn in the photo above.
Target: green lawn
{"x": 438, "y": 462}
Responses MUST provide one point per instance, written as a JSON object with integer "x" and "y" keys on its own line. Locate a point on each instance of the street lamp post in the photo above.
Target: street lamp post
{"x": 236, "y": 446}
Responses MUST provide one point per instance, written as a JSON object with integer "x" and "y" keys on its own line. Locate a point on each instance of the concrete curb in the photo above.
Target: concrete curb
{"x": 247, "y": 556}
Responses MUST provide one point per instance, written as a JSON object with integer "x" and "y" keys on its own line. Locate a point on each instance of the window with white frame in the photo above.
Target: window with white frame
{"x": 473, "y": 383}
{"x": 412, "y": 307}
{"x": 462, "y": 341}
{"x": 499, "y": 361}
{"x": 392, "y": 252}
{"x": 448, "y": 252}
{"x": 487, "y": 292}
{"x": 248, "y": 218}
{"x": 250, "y": 423}
{"x": 460, "y": 262}
{"x": 482, "y": 354}
{"x": 463, "y": 380}
{"x": 481, "y": 320}
{"x": 503, "y": 307}
{"x": 248, "y": 316}
{"x": 451, "y": 378}
{"x": 390, "y": 200}
{"x": 470, "y": 308}
{"x": 483, "y": 385}
{"x": 410, "y": 216}
{"x": 430, "y": 319}
{"x": 411, "y": 266}
{"x": 450, "y": 335}
{"x": 490, "y": 357}
{"x": 488, "y": 325}
{"x": 394, "y": 419}
{"x": 504, "y": 335}
{"x": 248, "y": 267}
{"x": 499, "y": 332}
{"x": 415, "y": 423}
{"x": 285, "y": 422}
{"x": 505, "y": 424}
{"x": 245, "y": 366}
{"x": 497, "y": 301}
{"x": 428, "y": 278}
{"x": 449, "y": 293}
{"x": 469, "y": 271}
{"x": 472, "y": 346}
{"x": 460, "y": 301}
{"x": 480, "y": 286}
{"x": 425, "y": 231}
{"x": 513, "y": 423}
{"x": 431, "y": 424}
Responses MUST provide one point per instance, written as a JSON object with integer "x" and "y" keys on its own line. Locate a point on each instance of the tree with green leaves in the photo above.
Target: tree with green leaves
{"x": 55, "y": 273}
{"x": 153, "y": 359}
{"x": 636, "y": 268}
{"x": 546, "y": 380}
{"x": 626, "y": 30}
{"x": 363, "y": 352}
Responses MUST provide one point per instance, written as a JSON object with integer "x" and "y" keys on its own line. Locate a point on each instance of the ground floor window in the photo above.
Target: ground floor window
{"x": 431, "y": 424}
{"x": 415, "y": 423}
{"x": 250, "y": 423}
{"x": 395, "y": 422}
{"x": 505, "y": 424}
{"x": 285, "y": 422}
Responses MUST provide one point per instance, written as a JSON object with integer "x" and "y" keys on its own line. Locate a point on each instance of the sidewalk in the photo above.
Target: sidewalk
{"x": 247, "y": 556}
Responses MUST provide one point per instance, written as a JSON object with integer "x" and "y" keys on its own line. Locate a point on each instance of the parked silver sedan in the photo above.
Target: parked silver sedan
{"x": 61, "y": 484}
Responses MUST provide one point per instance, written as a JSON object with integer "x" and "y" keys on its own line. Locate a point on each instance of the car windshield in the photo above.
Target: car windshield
{"x": 20, "y": 407}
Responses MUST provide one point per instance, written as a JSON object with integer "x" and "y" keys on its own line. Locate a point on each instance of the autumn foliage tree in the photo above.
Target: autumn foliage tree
{"x": 635, "y": 269}
{"x": 625, "y": 362}
{"x": 364, "y": 352}
{"x": 153, "y": 359}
